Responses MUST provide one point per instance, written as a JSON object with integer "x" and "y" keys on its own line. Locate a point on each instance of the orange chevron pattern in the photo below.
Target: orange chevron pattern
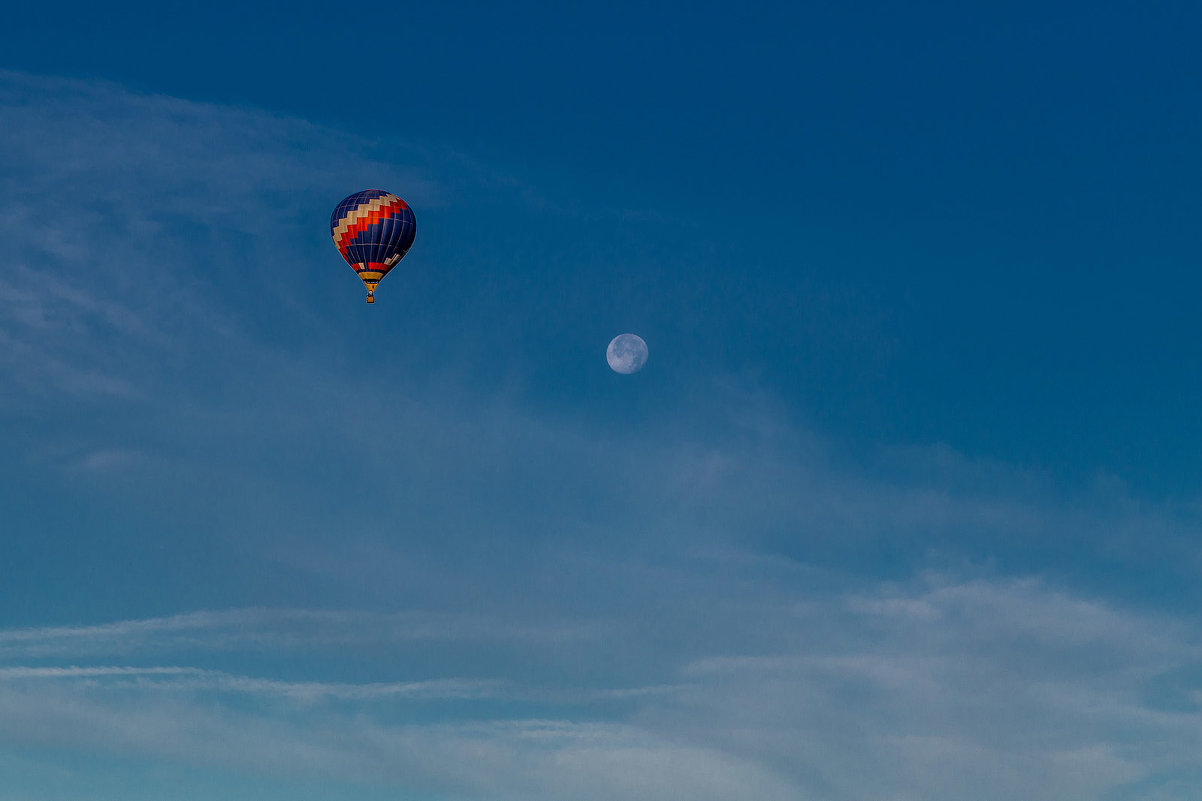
{"x": 365, "y": 216}
{"x": 373, "y": 230}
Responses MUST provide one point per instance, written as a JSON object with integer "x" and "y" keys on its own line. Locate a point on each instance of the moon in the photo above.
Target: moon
{"x": 626, "y": 354}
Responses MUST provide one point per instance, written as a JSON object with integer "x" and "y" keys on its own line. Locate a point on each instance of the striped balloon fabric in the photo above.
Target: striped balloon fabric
{"x": 373, "y": 230}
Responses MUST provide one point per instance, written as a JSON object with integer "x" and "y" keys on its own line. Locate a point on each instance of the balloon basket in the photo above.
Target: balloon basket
{"x": 371, "y": 298}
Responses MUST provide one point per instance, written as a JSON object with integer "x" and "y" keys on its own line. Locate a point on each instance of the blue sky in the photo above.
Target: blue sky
{"x": 905, "y": 504}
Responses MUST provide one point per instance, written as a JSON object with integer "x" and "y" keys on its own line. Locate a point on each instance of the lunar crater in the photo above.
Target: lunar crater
{"x": 626, "y": 354}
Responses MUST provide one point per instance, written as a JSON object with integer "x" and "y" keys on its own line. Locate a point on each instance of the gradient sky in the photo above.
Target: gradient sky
{"x": 905, "y": 505}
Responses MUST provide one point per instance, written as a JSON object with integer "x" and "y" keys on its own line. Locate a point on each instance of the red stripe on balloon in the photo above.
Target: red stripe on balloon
{"x": 369, "y": 220}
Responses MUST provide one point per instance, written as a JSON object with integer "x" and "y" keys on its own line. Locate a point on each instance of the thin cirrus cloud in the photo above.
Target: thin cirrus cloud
{"x": 924, "y": 690}
{"x": 97, "y": 298}
{"x": 728, "y": 606}
{"x": 275, "y": 629}
{"x": 192, "y": 179}
{"x": 190, "y": 679}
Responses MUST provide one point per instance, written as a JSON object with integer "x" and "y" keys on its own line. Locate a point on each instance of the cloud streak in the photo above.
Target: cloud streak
{"x": 276, "y": 629}
{"x": 920, "y": 690}
{"x": 190, "y": 679}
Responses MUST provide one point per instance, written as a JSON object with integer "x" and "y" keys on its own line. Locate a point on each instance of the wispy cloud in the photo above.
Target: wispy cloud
{"x": 1012, "y": 688}
{"x": 127, "y": 217}
{"x": 191, "y": 679}
{"x": 489, "y": 759}
{"x": 160, "y": 181}
{"x": 11, "y": 673}
{"x": 931, "y": 689}
{"x": 297, "y": 629}
{"x": 728, "y": 606}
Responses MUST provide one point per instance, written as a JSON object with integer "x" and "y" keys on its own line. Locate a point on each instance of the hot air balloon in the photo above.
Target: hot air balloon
{"x": 373, "y": 230}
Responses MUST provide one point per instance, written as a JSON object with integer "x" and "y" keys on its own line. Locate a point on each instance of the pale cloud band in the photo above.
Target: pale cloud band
{"x": 937, "y": 687}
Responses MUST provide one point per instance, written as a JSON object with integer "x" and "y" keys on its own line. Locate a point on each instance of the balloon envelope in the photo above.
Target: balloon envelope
{"x": 373, "y": 230}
